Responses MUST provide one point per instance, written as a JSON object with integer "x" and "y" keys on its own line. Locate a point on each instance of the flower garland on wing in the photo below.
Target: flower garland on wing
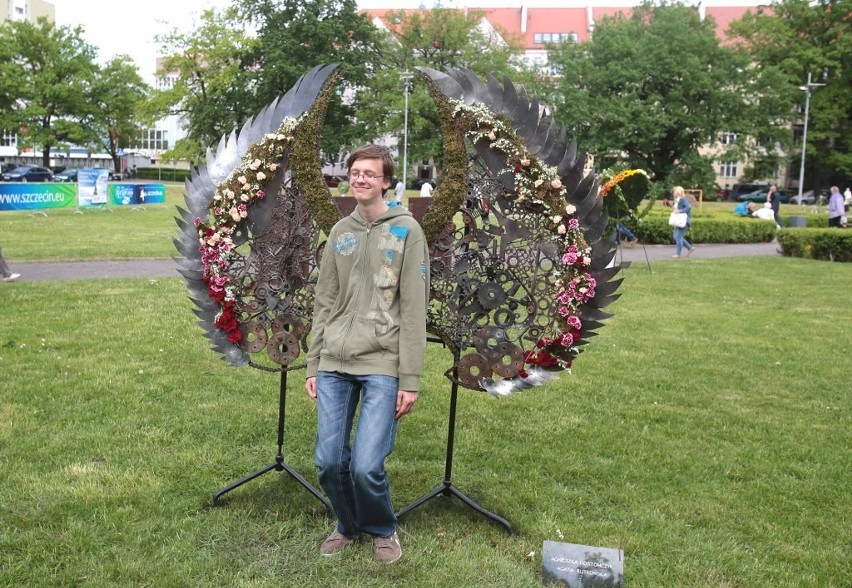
{"x": 538, "y": 187}
{"x": 620, "y": 177}
{"x": 228, "y": 211}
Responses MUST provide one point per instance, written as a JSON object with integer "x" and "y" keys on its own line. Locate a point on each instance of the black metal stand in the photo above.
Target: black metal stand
{"x": 280, "y": 465}
{"x": 447, "y": 488}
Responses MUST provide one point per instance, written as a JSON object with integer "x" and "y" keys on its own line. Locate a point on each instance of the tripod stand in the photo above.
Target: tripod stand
{"x": 279, "y": 465}
{"x": 446, "y": 488}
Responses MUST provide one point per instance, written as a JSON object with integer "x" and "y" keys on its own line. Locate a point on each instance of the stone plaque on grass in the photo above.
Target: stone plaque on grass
{"x": 581, "y": 566}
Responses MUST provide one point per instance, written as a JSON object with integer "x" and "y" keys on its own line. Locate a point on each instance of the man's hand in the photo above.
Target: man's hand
{"x": 311, "y": 387}
{"x": 405, "y": 401}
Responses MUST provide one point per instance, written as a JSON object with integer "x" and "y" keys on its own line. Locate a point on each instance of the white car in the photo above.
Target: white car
{"x": 807, "y": 198}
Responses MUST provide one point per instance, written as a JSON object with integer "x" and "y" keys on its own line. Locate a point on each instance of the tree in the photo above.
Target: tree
{"x": 436, "y": 38}
{"x": 44, "y": 81}
{"x": 652, "y": 88}
{"x": 117, "y": 92}
{"x": 296, "y": 35}
{"x": 797, "y": 37}
{"x": 211, "y": 91}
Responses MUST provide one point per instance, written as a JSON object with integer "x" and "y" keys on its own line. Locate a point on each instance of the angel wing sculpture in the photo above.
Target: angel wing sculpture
{"x": 249, "y": 233}
{"x": 517, "y": 287}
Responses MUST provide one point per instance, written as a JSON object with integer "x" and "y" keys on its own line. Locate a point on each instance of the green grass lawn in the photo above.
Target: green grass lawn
{"x": 705, "y": 431}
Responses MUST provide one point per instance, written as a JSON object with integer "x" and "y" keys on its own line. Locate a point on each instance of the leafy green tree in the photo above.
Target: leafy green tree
{"x": 212, "y": 91}
{"x": 437, "y": 38}
{"x": 793, "y": 38}
{"x": 44, "y": 80}
{"x": 651, "y": 89}
{"x": 296, "y": 35}
{"x": 118, "y": 94}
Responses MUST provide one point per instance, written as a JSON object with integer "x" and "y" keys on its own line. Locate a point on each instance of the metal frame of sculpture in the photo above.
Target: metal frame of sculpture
{"x": 517, "y": 289}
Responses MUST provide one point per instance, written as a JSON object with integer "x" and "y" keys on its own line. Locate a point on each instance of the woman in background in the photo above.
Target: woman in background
{"x": 681, "y": 204}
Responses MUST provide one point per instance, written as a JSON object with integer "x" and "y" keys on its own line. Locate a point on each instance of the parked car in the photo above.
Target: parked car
{"x": 57, "y": 168}
{"x": 66, "y": 175}
{"x": 8, "y": 167}
{"x": 115, "y": 176}
{"x": 740, "y": 189}
{"x": 28, "y": 173}
{"x": 807, "y": 198}
{"x": 760, "y": 196}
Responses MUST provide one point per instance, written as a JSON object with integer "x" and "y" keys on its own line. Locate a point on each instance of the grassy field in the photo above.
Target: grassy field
{"x": 706, "y": 432}
{"x": 131, "y": 232}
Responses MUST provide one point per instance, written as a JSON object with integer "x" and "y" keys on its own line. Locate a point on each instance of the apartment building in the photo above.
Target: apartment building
{"x": 30, "y": 10}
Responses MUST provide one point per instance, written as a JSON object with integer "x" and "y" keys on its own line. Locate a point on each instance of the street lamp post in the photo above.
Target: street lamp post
{"x": 406, "y": 77}
{"x": 807, "y": 89}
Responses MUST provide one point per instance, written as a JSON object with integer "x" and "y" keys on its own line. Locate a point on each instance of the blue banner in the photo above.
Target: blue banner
{"x": 123, "y": 193}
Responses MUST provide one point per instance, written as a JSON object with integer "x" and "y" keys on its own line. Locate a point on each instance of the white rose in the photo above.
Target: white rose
{"x": 570, "y": 209}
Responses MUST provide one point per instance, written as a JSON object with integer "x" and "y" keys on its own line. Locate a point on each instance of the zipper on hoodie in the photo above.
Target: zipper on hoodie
{"x": 357, "y": 298}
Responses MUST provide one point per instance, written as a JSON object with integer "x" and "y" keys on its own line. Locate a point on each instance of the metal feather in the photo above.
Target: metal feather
{"x": 200, "y": 188}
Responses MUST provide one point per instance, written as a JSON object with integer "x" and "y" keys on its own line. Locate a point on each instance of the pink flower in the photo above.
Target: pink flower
{"x": 574, "y": 322}
{"x": 566, "y": 340}
{"x": 556, "y": 183}
{"x": 235, "y": 214}
{"x": 574, "y": 223}
{"x": 564, "y": 311}
{"x": 261, "y": 194}
{"x": 569, "y": 258}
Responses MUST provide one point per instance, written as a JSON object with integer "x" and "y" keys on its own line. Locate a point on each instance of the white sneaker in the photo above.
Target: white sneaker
{"x": 11, "y": 277}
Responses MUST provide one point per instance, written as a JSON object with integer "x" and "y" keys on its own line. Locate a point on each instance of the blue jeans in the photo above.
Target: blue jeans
{"x": 680, "y": 240}
{"x": 353, "y": 474}
{"x": 623, "y": 231}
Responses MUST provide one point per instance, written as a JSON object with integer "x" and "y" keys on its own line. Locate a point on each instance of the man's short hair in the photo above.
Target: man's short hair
{"x": 373, "y": 151}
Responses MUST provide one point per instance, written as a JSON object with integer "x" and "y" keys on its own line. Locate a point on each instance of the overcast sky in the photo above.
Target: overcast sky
{"x": 129, "y": 26}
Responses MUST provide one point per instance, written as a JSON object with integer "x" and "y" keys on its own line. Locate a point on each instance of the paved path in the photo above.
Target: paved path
{"x": 167, "y": 268}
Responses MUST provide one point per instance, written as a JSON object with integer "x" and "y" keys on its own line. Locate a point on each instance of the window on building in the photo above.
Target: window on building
{"x": 154, "y": 140}
{"x": 8, "y": 139}
{"x": 728, "y": 169}
{"x": 728, "y": 138}
{"x": 540, "y": 38}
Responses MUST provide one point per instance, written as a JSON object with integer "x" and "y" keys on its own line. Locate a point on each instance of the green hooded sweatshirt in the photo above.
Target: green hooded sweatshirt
{"x": 371, "y": 298}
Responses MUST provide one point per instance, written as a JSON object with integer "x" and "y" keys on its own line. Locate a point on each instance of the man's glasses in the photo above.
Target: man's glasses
{"x": 368, "y": 176}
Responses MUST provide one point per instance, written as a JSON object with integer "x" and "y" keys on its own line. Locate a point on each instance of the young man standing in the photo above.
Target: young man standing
{"x": 367, "y": 344}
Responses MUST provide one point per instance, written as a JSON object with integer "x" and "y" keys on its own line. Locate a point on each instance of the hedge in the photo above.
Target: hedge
{"x": 163, "y": 174}
{"x": 654, "y": 230}
{"x": 824, "y": 244}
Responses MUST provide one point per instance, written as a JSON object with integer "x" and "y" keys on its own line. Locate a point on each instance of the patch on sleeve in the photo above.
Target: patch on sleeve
{"x": 423, "y": 270}
{"x": 398, "y": 231}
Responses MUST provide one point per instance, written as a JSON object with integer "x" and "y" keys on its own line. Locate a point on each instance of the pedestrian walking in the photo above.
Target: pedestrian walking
{"x": 6, "y": 272}
{"x": 682, "y": 205}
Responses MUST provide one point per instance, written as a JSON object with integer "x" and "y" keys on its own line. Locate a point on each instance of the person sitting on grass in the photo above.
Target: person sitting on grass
{"x": 746, "y": 208}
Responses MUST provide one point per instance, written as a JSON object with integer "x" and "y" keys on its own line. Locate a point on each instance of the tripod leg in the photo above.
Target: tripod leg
{"x": 280, "y": 465}
{"x": 242, "y": 481}
{"x": 447, "y": 488}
